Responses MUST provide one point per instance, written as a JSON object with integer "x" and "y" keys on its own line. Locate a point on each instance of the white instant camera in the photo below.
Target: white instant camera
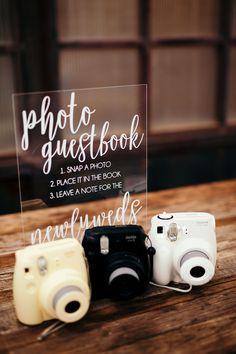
{"x": 51, "y": 281}
{"x": 185, "y": 245}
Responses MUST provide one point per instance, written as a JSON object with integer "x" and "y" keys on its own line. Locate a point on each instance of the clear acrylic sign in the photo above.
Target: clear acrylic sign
{"x": 81, "y": 159}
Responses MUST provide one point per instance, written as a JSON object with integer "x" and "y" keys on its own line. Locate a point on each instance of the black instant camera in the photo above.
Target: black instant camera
{"x": 118, "y": 261}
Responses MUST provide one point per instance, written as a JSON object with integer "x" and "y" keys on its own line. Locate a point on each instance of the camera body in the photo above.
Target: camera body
{"x": 185, "y": 245}
{"x": 118, "y": 261}
{"x": 51, "y": 281}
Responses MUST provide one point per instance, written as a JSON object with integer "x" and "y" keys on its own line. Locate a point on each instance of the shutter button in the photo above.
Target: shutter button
{"x": 165, "y": 216}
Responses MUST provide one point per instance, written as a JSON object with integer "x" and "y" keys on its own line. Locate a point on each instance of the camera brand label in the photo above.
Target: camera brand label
{"x": 131, "y": 238}
{"x": 202, "y": 223}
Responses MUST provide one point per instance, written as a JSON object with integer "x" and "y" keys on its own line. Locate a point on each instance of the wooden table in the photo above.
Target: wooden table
{"x": 159, "y": 321}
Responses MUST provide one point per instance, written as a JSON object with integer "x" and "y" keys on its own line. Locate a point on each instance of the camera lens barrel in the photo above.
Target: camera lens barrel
{"x": 70, "y": 303}
{"x": 124, "y": 282}
{"x": 64, "y": 291}
{"x": 191, "y": 254}
{"x": 196, "y": 268}
{"x": 122, "y": 271}
{"x": 125, "y": 275}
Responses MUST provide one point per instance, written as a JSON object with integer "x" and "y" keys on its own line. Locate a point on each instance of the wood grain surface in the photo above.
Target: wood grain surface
{"x": 159, "y": 321}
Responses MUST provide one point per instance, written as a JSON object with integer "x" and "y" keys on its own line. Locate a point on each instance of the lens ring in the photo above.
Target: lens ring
{"x": 125, "y": 270}
{"x": 125, "y": 282}
{"x": 62, "y": 292}
{"x": 198, "y": 266}
{"x": 124, "y": 286}
{"x": 192, "y": 254}
{"x": 122, "y": 271}
{"x": 70, "y": 304}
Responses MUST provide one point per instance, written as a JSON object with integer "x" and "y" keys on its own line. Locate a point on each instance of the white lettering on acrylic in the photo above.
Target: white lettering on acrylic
{"x": 125, "y": 214}
{"x": 75, "y": 148}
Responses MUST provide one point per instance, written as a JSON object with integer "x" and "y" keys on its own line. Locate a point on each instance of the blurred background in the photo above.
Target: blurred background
{"x": 185, "y": 50}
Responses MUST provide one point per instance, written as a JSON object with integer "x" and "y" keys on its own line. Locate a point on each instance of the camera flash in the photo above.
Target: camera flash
{"x": 104, "y": 245}
{"x": 42, "y": 265}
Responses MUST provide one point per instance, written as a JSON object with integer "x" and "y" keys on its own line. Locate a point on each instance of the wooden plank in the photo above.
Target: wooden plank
{"x": 159, "y": 320}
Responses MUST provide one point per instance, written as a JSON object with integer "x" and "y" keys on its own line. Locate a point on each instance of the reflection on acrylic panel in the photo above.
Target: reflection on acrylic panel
{"x": 83, "y": 146}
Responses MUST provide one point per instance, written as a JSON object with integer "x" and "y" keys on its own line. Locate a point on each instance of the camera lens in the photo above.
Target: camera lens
{"x": 197, "y": 272}
{"x": 125, "y": 275}
{"x": 124, "y": 282}
{"x": 72, "y": 306}
{"x": 196, "y": 268}
{"x": 69, "y": 304}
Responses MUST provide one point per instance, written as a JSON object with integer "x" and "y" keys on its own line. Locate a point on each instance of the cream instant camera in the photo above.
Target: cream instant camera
{"x": 185, "y": 245}
{"x": 51, "y": 281}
